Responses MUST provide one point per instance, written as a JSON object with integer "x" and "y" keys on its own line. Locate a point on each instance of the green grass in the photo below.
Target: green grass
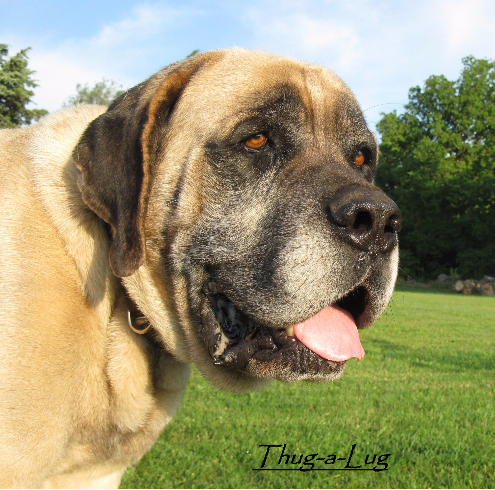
{"x": 424, "y": 393}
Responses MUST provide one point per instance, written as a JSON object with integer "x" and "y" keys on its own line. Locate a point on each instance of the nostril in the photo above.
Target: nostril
{"x": 393, "y": 224}
{"x": 397, "y": 223}
{"x": 389, "y": 239}
{"x": 363, "y": 221}
{"x": 389, "y": 228}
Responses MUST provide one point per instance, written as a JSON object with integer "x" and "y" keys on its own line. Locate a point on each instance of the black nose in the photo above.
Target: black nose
{"x": 366, "y": 218}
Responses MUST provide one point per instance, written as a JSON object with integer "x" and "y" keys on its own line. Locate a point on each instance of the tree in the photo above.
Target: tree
{"x": 15, "y": 93}
{"x": 102, "y": 93}
{"x": 438, "y": 163}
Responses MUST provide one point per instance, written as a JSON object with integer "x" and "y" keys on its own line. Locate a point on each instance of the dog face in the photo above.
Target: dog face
{"x": 239, "y": 188}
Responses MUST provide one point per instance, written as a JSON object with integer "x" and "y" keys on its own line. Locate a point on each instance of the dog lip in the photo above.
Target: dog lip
{"x": 263, "y": 345}
{"x": 355, "y": 301}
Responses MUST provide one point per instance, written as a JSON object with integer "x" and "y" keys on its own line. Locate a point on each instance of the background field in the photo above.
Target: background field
{"x": 424, "y": 393}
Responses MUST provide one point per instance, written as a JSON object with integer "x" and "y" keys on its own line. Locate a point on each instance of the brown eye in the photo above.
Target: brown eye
{"x": 359, "y": 159}
{"x": 256, "y": 142}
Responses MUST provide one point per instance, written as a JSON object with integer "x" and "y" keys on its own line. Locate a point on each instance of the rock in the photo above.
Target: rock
{"x": 487, "y": 289}
{"x": 469, "y": 286}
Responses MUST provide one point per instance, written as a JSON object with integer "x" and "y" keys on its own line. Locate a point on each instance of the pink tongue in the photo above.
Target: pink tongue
{"x": 331, "y": 333}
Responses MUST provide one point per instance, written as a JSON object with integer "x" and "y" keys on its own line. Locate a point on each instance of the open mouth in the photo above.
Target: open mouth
{"x": 314, "y": 348}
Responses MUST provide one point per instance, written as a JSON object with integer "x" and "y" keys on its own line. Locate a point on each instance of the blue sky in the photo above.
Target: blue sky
{"x": 379, "y": 48}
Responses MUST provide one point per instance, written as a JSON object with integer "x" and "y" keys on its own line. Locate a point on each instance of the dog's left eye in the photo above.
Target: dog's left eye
{"x": 256, "y": 142}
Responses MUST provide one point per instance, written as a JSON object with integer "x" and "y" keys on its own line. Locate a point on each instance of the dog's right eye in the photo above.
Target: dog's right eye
{"x": 359, "y": 158}
{"x": 256, "y": 142}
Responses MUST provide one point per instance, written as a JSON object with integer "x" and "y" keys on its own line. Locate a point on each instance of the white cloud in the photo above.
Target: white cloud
{"x": 324, "y": 35}
{"x": 309, "y": 37}
{"x": 57, "y": 77}
{"x": 465, "y": 22}
{"x": 144, "y": 22}
{"x": 118, "y": 51}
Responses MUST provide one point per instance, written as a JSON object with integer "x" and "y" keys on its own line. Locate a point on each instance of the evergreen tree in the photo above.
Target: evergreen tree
{"x": 15, "y": 90}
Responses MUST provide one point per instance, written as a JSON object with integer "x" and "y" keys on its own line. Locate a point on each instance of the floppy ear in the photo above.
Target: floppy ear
{"x": 116, "y": 153}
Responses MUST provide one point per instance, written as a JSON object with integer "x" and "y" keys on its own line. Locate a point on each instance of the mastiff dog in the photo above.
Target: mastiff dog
{"x": 221, "y": 213}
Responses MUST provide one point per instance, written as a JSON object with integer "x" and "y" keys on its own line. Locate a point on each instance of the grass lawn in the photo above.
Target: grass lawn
{"x": 424, "y": 394}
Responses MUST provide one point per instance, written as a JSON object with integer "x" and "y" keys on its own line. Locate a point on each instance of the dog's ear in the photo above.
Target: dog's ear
{"x": 116, "y": 154}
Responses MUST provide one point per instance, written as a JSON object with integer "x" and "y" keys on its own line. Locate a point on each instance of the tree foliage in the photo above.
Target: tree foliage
{"x": 102, "y": 93}
{"x": 15, "y": 90}
{"x": 438, "y": 163}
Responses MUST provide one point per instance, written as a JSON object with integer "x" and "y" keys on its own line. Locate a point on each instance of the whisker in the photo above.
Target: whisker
{"x": 385, "y": 103}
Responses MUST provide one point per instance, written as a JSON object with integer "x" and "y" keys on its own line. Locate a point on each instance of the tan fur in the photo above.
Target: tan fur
{"x": 67, "y": 343}
{"x": 81, "y": 395}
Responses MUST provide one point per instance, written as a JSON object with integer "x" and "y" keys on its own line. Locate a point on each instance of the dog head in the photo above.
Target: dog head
{"x": 246, "y": 225}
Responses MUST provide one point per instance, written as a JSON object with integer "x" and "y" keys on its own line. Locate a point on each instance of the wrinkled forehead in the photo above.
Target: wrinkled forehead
{"x": 246, "y": 84}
